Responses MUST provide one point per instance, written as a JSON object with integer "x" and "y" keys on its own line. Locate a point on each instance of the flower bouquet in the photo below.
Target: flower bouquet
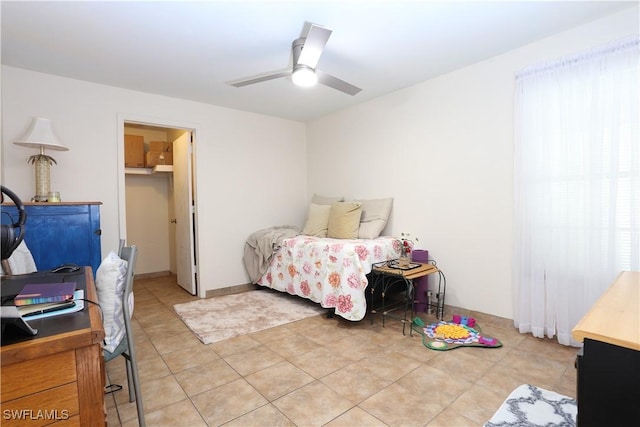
{"x": 406, "y": 247}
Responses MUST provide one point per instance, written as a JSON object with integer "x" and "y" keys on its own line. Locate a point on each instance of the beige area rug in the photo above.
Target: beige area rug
{"x": 219, "y": 318}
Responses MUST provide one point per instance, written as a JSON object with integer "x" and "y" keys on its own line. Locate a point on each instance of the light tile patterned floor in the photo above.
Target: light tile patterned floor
{"x": 284, "y": 376}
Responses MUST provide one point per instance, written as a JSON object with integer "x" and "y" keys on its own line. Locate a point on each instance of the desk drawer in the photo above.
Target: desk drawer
{"x": 57, "y": 404}
{"x": 32, "y": 376}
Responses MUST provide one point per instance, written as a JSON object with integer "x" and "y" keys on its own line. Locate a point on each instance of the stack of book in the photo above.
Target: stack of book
{"x": 44, "y": 298}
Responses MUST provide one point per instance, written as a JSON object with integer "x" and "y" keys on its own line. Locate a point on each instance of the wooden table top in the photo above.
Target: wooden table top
{"x": 615, "y": 317}
{"x": 423, "y": 270}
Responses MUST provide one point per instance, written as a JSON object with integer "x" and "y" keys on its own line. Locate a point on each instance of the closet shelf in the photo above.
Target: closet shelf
{"x": 149, "y": 171}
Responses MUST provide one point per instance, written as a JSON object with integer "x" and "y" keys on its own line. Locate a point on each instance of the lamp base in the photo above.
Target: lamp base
{"x": 37, "y": 198}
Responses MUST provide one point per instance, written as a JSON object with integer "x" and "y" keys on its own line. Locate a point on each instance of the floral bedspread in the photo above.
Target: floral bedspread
{"x": 331, "y": 272}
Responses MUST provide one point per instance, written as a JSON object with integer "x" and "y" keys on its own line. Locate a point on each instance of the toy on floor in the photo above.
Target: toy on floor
{"x": 461, "y": 331}
{"x": 463, "y": 320}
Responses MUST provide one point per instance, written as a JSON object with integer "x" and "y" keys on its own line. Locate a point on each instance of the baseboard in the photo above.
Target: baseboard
{"x": 231, "y": 290}
{"x": 153, "y": 275}
{"x": 482, "y": 318}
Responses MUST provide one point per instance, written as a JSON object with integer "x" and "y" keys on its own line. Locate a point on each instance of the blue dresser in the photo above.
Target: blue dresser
{"x": 60, "y": 233}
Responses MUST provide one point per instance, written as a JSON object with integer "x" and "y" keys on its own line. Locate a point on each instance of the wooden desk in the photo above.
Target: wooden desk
{"x": 58, "y": 375}
{"x": 609, "y": 368}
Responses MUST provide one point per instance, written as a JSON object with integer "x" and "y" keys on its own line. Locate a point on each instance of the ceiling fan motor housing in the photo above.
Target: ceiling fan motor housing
{"x": 296, "y": 49}
{"x": 301, "y": 74}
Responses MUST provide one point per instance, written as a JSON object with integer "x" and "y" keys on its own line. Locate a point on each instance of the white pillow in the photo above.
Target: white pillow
{"x": 317, "y": 221}
{"x": 375, "y": 214}
{"x": 110, "y": 280}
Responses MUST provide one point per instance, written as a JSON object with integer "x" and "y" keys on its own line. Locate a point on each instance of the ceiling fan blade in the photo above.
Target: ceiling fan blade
{"x": 314, "y": 45}
{"x": 264, "y": 78}
{"x": 336, "y": 83}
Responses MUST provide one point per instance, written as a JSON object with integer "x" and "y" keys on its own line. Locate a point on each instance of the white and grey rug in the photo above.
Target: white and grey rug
{"x": 219, "y": 318}
{"x": 530, "y": 406}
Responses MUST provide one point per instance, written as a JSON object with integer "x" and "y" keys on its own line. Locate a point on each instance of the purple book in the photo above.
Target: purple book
{"x": 40, "y": 293}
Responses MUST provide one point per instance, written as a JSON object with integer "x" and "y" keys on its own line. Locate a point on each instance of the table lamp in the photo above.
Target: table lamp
{"x": 40, "y": 135}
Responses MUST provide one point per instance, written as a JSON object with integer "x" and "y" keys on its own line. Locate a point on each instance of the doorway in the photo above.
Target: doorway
{"x": 157, "y": 200}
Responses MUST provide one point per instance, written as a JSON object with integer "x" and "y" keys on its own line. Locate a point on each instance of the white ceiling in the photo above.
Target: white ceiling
{"x": 191, "y": 50}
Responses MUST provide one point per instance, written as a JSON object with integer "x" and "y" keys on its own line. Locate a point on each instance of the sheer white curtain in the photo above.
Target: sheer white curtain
{"x": 577, "y": 185}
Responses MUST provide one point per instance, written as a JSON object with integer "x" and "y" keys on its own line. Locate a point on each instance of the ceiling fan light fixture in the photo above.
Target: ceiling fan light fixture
{"x": 306, "y": 52}
{"x": 304, "y": 76}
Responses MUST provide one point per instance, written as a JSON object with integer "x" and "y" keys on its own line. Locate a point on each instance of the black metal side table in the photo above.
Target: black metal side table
{"x": 387, "y": 274}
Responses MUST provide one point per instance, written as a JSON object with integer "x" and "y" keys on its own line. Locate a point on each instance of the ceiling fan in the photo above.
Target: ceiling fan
{"x": 306, "y": 53}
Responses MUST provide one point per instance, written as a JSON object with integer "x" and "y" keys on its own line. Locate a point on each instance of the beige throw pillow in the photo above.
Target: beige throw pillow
{"x": 317, "y": 220}
{"x": 375, "y": 214}
{"x": 344, "y": 220}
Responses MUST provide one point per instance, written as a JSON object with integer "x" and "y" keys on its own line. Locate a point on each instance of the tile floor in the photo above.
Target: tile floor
{"x": 323, "y": 372}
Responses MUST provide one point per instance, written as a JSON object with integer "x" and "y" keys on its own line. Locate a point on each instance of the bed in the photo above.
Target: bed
{"x": 331, "y": 272}
{"x": 328, "y": 261}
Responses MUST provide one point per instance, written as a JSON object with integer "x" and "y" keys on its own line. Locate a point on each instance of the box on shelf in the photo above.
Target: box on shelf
{"x": 160, "y": 146}
{"x": 155, "y": 158}
{"x": 134, "y": 151}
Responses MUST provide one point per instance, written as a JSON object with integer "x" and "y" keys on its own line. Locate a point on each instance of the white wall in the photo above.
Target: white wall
{"x": 250, "y": 168}
{"x": 444, "y": 150}
{"x": 148, "y": 221}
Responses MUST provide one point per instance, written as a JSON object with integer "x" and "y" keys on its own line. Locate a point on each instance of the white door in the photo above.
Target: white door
{"x": 184, "y": 212}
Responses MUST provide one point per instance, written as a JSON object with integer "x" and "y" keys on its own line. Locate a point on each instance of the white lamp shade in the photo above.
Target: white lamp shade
{"x": 40, "y": 134}
{"x": 304, "y": 76}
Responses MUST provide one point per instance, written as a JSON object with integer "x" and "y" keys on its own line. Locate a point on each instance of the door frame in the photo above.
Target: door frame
{"x": 139, "y": 119}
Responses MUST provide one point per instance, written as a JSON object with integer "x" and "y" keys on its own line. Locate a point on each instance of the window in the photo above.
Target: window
{"x": 577, "y": 185}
